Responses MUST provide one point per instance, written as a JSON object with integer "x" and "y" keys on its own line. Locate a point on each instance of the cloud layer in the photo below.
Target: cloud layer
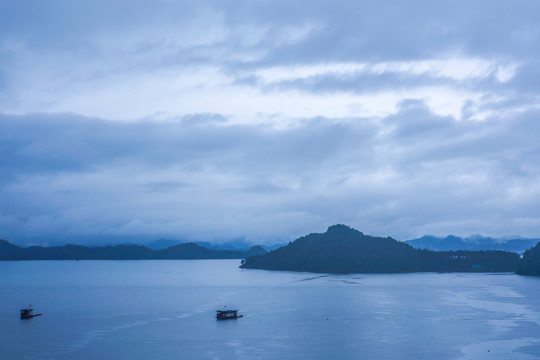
{"x": 410, "y": 173}
{"x": 267, "y": 120}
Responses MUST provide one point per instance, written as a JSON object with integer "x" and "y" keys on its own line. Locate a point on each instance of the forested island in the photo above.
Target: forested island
{"x": 185, "y": 251}
{"x": 342, "y": 249}
{"x": 530, "y": 263}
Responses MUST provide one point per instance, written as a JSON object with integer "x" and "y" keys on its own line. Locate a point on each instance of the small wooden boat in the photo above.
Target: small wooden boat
{"x": 227, "y": 314}
{"x": 28, "y": 313}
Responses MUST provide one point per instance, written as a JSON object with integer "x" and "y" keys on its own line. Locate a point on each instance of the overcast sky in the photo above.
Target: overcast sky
{"x": 268, "y": 120}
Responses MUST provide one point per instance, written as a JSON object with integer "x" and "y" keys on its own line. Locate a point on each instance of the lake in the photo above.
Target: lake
{"x": 166, "y": 309}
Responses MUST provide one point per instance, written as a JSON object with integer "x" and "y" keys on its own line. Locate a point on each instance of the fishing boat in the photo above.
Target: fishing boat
{"x": 28, "y": 313}
{"x": 227, "y": 314}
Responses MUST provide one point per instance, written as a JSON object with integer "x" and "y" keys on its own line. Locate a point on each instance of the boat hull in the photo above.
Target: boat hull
{"x": 228, "y": 317}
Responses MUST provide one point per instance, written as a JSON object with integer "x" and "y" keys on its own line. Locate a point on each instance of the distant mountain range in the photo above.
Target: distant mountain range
{"x": 429, "y": 242}
{"x": 9, "y": 251}
{"x": 238, "y": 244}
{"x": 342, "y": 249}
{"x": 477, "y": 242}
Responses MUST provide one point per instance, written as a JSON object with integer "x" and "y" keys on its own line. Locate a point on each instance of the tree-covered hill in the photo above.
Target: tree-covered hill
{"x": 342, "y": 249}
{"x": 9, "y": 251}
{"x": 530, "y": 263}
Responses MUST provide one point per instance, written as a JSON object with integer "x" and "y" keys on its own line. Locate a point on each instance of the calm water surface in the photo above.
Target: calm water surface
{"x": 166, "y": 309}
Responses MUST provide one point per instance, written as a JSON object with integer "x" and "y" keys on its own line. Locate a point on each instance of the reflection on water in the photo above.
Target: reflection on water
{"x": 166, "y": 309}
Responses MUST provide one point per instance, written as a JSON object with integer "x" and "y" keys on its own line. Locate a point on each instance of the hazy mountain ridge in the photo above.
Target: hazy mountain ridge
{"x": 342, "y": 249}
{"x": 475, "y": 242}
{"x": 9, "y": 251}
{"x": 236, "y": 244}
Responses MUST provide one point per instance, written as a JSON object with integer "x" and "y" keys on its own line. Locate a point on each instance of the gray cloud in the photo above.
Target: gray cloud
{"x": 341, "y": 31}
{"x": 68, "y": 175}
{"x": 223, "y": 119}
{"x": 42, "y": 144}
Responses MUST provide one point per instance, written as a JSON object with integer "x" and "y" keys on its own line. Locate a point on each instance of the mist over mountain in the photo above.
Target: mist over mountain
{"x": 235, "y": 244}
{"x": 475, "y": 242}
{"x": 162, "y": 243}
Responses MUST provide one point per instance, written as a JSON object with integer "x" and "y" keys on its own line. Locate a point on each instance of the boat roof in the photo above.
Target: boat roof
{"x": 224, "y": 311}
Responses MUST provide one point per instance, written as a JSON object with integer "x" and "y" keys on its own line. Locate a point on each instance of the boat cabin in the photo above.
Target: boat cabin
{"x": 27, "y": 313}
{"x": 227, "y": 314}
